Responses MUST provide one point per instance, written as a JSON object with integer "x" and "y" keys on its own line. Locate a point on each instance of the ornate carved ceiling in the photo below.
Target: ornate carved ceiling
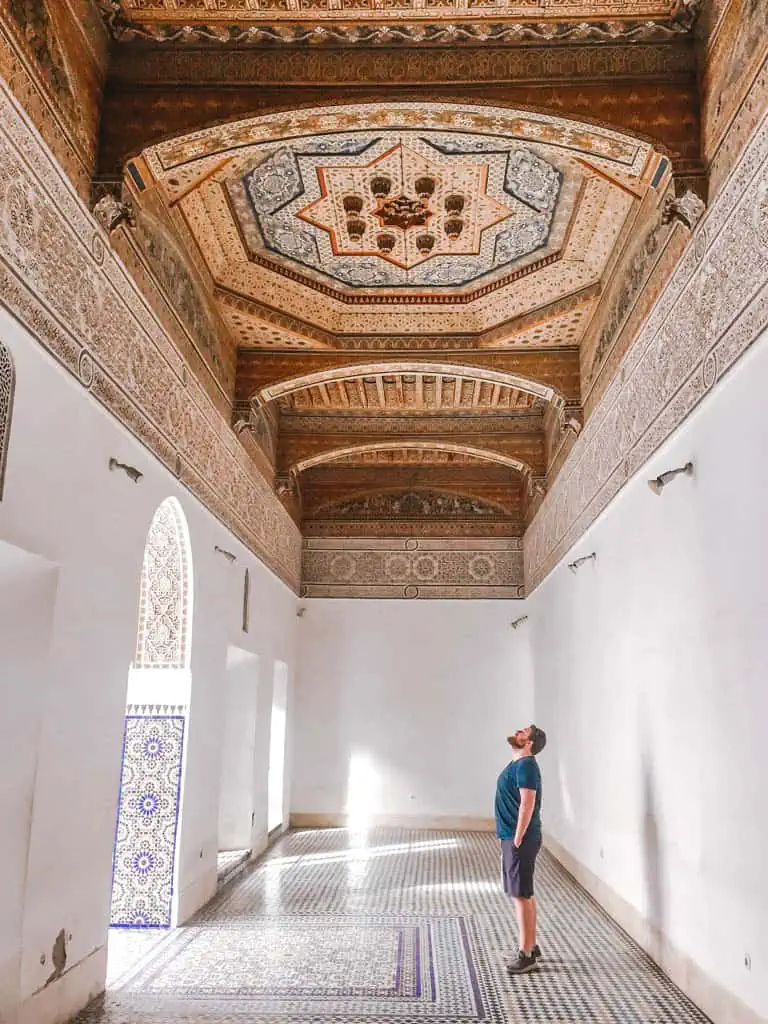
{"x": 269, "y": 374}
{"x": 386, "y": 217}
{"x": 405, "y": 392}
{"x": 408, "y": 220}
{"x": 402, "y": 240}
{"x": 408, "y": 286}
{"x": 412, "y": 505}
{"x": 409, "y": 452}
{"x": 403, "y": 386}
{"x": 233, "y": 20}
{"x": 235, "y": 11}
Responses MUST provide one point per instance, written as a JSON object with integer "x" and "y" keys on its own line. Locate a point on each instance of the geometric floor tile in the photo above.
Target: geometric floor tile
{"x": 333, "y": 926}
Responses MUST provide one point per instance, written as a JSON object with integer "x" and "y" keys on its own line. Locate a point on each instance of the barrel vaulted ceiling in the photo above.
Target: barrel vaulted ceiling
{"x": 420, "y": 290}
{"x": 402, "y": 245}
{"x": 408, "y": 288}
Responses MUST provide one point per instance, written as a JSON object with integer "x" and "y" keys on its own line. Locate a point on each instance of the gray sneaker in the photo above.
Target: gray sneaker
{"x": 523, "y": 964}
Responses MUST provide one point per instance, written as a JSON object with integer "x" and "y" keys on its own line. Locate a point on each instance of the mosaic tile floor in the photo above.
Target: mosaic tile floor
{"x": 389, "y": 927}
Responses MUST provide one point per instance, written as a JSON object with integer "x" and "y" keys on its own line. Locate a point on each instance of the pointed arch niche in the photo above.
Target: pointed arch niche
{"x": 163, "y": 636}
{"x": 149, "y": 812}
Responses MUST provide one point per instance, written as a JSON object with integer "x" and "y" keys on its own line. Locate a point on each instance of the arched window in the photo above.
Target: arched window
{"x": 165, "y": 602}
{"x": 7, "y": 386}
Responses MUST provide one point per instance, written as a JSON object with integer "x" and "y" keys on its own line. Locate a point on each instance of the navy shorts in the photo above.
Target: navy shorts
{"x": 517, "y": 865}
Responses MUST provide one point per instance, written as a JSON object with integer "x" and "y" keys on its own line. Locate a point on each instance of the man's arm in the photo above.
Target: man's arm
{"x": 527, "y": 803}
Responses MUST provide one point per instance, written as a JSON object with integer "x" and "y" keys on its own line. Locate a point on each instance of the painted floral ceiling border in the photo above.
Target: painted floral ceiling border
{"x": 180, "y": 162}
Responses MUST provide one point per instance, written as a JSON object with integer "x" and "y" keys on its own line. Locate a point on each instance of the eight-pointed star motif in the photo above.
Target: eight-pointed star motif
{"x": 406, "y": 208}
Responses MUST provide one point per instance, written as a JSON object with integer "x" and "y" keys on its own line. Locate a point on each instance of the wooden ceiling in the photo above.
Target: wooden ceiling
{"x": 235, "y": 12}
{"x": 398, "y": 385}
{"x": 404, "y": 393}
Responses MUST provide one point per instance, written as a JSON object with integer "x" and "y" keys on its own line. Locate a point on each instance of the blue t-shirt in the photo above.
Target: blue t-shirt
{"x": 522, "y": 774}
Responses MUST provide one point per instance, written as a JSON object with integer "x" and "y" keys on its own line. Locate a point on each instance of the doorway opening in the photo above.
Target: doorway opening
{"x": 276, "y": 790}
{"x": 145, "y": 857}
{"x": 238, "y": 763}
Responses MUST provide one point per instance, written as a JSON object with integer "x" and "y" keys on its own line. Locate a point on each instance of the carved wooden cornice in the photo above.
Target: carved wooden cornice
{"x": 404, "y": 64}
{"x": 306, "y": 423}
{"x": 254, "y": 29}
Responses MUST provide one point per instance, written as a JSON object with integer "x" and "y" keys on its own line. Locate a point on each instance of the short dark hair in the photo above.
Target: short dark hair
{"x": 538, "y": 739}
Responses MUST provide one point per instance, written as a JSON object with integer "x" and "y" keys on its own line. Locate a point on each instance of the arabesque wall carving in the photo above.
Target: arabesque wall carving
{"x": 163, "y": 636}
{"x": 59, "y": 277}
{"x": 408, "y": 505}
{"x": 184, "y": 293}
{"x": 714, "y": 307}
{"x": 53, "y": 55}
{"x": 412, "y": 568}
{"x": 734, "y": 89}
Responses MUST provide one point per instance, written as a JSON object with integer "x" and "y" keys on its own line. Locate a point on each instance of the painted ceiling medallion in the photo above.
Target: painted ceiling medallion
{"x": 534, "y": 281}
{"x": 404, "y": 190}
{"x": 381, "y": 211}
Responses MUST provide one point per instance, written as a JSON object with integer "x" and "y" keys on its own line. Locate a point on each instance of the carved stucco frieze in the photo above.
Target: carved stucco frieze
{"x": 412, "y": 568}
{"x": 713, "y": 308}
{"x": 408, "y": 505}
{"x": 59, "y": 277}
{"x": 7, "y": 388}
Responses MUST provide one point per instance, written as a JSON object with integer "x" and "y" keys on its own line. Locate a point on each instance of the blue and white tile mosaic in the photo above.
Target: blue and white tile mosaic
{"x": 333, "y": 926}
{"x": 147, "y": 821}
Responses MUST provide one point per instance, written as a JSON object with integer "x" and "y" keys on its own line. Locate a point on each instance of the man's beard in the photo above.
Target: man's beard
{"x": 515, "y": 742}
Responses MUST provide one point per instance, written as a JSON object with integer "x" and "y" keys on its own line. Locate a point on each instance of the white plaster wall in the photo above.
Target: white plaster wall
{"x": 650, "y": 678}
{"x": 238, "y": 754}
{"x": 417, "y": 696}
{"x": 62, "y": 504}
{"x": 27, "y": 596}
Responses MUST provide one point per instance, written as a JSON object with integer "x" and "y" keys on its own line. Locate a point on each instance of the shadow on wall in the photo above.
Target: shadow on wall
{"x": 652, "y": 863}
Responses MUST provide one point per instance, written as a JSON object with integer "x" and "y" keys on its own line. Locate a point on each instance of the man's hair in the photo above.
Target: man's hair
{"x": 538, "y": 739}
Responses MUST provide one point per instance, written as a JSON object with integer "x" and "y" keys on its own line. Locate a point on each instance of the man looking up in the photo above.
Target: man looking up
{"x": 518, "y": 826}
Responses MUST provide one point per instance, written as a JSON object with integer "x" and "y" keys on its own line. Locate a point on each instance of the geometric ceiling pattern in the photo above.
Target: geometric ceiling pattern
{"x": 408, "y": 286}
{"x": 367, "y": 212}
{"x": 407, "y": 219}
